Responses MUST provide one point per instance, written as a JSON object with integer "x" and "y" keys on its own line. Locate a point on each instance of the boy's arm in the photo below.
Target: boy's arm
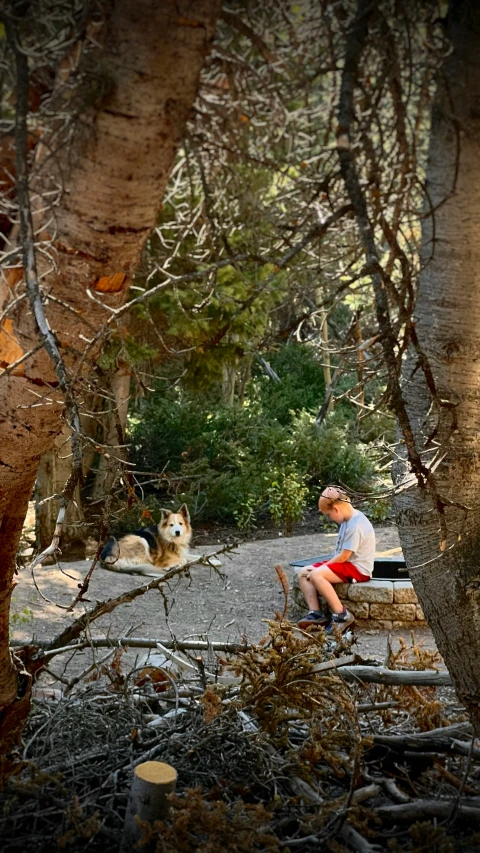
{"x": 342, "y": 557}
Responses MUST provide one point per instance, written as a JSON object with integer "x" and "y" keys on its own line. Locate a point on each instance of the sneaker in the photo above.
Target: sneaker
{"x": 314, "y": 617}
{"x": 340, "y": 622}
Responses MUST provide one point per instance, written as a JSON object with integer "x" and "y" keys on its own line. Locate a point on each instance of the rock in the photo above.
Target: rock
{"x": 360, "y": 609}
{"x": 27, "y": 552}
{"x": 396, "y": 612}
{"x": 404, "y": 593}
{"x": 374, "y": 591}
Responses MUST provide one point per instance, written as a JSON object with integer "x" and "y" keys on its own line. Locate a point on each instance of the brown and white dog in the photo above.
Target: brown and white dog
{"x": 152, "y": 551}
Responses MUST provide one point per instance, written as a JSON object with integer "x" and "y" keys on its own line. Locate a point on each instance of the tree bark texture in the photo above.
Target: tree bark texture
{"x": 53, "y": 472}
{"x": 441, "y": 539}
{"x": 133, "y": 97}
{"x": 56, "y": 467}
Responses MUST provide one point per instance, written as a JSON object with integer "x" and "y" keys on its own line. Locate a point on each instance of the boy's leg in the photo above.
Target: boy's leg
{"x": 322, "y": 578}
{"x": 309, "y": 591}
{"x": 315, "y": 616}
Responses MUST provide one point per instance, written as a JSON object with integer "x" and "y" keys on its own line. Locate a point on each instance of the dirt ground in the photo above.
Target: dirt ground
{"x": 228, "y": 608}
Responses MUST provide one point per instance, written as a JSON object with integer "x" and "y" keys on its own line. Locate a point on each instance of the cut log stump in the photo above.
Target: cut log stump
{"x": 152, "y": 782}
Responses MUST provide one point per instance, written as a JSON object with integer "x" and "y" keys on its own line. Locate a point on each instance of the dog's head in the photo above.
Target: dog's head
{"x": 175, "y": 526}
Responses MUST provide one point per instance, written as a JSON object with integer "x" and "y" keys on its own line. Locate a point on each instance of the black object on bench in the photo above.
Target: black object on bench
{"x": 384, "y": 568}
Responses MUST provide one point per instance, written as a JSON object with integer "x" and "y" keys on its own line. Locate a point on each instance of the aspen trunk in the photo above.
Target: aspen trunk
{"x": 327, "y": 368}
{"x": 440, "y": 532}
{"x": 113, "y": 171}
{"x": 229, "y": 375}
{"x": 53, "y": 472}
{"x": 56, "y": 466}
{"x": 120, "y": 387}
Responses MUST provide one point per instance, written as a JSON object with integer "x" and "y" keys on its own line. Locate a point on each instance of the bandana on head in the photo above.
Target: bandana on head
{"x": 331, "y": 493}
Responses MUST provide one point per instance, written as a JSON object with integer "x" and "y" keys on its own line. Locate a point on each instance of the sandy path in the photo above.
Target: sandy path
{"x": 225, "y": 609}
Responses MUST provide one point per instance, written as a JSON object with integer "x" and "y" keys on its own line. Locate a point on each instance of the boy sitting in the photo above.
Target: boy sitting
{"x": 352, "y": 562}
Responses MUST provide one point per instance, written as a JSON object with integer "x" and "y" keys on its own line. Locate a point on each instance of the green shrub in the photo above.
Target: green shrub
{"x": 301, "y": 386}
{"x": 20, "y": 617}
{"x": 331, "y": 453}
{"x": 287, "y": 495}
{"x": 236, "y": 464}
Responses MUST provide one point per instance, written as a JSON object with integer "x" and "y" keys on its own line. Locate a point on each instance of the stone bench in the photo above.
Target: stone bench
{"x": 377, "y": 603}
{"x": 382, "y": 604}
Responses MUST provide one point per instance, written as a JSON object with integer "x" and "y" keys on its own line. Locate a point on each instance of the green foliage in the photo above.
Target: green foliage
{"x": 223, "y": 329}
{"x": 20, "y": 617}
{"x": 301, "y": 383}
{"x": 237, "y": 464}
{"x": 287, "y": 495}
{"x": 377, "y": 509}
{"x": 332, "y": 453}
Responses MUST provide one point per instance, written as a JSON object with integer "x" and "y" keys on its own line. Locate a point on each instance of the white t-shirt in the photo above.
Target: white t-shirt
{"x": 357, "y": 535}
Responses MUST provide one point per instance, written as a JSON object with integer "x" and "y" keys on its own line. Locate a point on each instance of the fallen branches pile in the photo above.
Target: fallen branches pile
{"x": 274, "y": 750}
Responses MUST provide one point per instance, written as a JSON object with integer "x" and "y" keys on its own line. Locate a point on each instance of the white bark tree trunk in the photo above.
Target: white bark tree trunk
{"x": 113, "y": 173}
{"x": 120, "y": 388}
{"x": 56, "y": 467}
{"x": 53, "y": 472}
{"x": 441, "y": 541}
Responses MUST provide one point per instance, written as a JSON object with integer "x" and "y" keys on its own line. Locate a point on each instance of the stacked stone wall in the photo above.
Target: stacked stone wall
{"x": 382, "y": 604}
{"x": 379, "y": 603}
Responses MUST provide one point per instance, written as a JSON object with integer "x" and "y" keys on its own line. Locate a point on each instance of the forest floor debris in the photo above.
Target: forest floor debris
{"x": 287, "y": 756}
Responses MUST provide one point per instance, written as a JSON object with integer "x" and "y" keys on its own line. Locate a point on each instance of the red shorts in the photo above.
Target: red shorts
{"x": 345, "y": 571}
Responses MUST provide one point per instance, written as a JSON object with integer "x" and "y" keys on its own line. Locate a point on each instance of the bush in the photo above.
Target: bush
{"x": 301, "y": 386}
{"x": 237, "y": 464}
{"x": 287, "y": 494}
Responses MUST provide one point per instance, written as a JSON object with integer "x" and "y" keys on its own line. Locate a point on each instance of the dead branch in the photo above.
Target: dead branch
{"x": 381, "y": 675}
{"x": 437, "y": 740}
{"x": 426, "y": 809}
{"x": 354, "y": 49}
{"x": 353, "y": 838}
{"x": 102, "y": 608}
{"x": 136, "y": 643}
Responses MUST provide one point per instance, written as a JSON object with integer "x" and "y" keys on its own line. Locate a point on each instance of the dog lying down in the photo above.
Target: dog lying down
{"x": 152, "y": 551}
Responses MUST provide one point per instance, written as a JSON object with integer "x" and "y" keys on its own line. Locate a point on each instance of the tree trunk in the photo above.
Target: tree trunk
{"x": 53, "y": 472}
{"x": 327, "y": 367}
{"x": 440, "y": 539}
{"x": 229, "y": 375}
{"x": 120, "y": 388}
{"x": 56, "y": 467}
{"x": 112, "y": 168}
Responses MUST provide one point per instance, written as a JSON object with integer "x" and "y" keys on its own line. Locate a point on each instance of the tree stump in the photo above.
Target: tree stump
{"x": 152, "y": 782}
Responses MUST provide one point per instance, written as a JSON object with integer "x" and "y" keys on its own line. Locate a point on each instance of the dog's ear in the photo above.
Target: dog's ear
{"x": 184, "y": 511}
{"x": 164, "y": 513}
